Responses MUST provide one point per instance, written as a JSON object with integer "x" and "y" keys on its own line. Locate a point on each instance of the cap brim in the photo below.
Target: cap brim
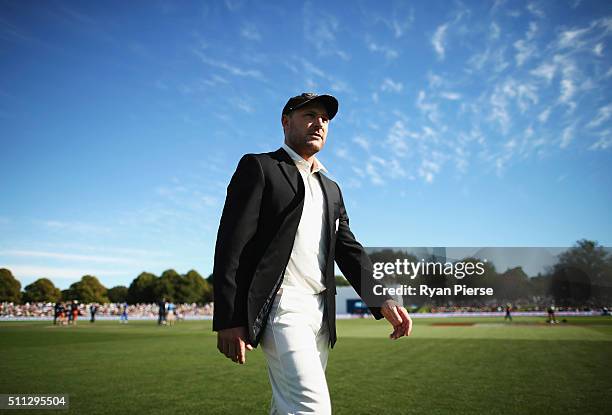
{"x": 329, "y": 102}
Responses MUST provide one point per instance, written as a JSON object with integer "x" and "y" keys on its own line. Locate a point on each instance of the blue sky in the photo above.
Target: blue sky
{"x": 460, "y": 123}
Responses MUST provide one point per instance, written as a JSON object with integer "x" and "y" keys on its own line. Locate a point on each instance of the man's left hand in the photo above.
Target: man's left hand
{"x": 398, "y": 317}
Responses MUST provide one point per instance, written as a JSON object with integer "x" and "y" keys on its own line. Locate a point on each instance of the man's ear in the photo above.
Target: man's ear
{"x": 284, "y": 121}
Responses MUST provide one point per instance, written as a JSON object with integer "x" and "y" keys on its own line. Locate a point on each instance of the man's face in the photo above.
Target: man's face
{"x": 306, "y": 129}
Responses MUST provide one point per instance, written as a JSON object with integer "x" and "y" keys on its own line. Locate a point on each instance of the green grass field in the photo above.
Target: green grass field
{"x": 489, "y": 367}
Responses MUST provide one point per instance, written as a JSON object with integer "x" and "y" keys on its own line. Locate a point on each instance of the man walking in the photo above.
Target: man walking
{"x": 93, "y": 309}
{"x": 161, "y": 316}
{"x": 283, "y": 225}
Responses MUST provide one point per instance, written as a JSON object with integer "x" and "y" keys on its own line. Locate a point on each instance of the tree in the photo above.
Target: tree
{"x": 118, "y": 294}
{"x": 513, "y": 284}
{"x": 42, "y": 290}
{"x": 68, "y": 295}
{"x": 89, "y": 290}
{"x": 10, "y": 288}
{"x": 540, "y": 285}
{"x": 141, "y": 290}
{"x": 199, "y": 290}
{"x": 583, "y": 275}
{"x": 166, "y": 286}
{"x": 341, "y": 281}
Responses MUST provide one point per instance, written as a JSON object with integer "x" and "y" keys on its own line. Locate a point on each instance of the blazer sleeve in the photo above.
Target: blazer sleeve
{"x": 238, "y": 224}
{"x": 355, "y": 263}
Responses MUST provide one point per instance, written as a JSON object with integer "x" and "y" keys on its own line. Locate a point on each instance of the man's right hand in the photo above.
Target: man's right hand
{"x": 232, "y": 343}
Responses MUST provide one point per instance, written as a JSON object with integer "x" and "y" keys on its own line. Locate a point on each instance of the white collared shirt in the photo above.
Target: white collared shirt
{"x": 305, "y": 270}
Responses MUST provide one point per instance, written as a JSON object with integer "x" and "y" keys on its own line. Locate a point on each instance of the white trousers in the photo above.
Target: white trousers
{"x": 296, "y": 345}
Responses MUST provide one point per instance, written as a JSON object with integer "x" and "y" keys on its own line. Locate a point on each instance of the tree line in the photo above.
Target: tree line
{"x": 582, "y": 276}
{"x": 145, "y": 288}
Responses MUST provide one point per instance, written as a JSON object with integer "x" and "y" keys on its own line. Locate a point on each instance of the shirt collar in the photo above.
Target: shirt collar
{"x": 303, "y": 164}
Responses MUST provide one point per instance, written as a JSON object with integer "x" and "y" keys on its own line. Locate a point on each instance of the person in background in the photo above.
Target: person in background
{"x": 171, "y": 316}
{"x": 93, "y": 309}
{"x": 56, "y": 312}
{"x": 162, "y": 312}
{"x": 63, "y": 309}
{"x": 74, "y": 311}
{"x": 124, "y": 314}
{"x": 508, "y": 316}
{"x": 551, "y": 315}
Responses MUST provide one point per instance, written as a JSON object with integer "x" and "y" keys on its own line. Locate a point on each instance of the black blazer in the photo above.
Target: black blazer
{"x": 260, "y": 218}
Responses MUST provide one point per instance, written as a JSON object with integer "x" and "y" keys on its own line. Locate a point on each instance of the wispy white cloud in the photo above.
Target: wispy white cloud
{"x": 229, "y": 68}
{"x": 66, "y": 256}
{"x": 342, "y": 152}
{"x": 451, "y": 96}
{"x": 536, "y": 10}
{"x": 215, "y": 80}
{"x": 497, "y": 5}
{"x": 527, "y": 96}
{"x": 598, "y": 49}
{"x": 567, "y": 90}
{"x": 492, "y": 57}
{"x": 334, "y": 83}
{"x": 526, "y": 48}
{"x": 362, "y": 142}
{"x": 387, "y": 51}
{"x": 234, "y": 5}
{"x": 338, "y": 85}
{"x": 543, "y": 116}
{"x": 461, "y": 158}
{"x": 494, "y": 31}
{"x": 389, "y": 85}
{"x": 398, "y": 23}
{"x": 394, "y": 169}
{"x": 604, "y": 142}
{"x": 572, "y": 38}
{"x": 250, "y": 32}
{"x": 427, "y": 107}
{"x": 603, "y": 114}
{"x": 61, "y": 274}
{"x": 434, "y": 80}
{"x": 209, "y": 200}
{"x": 373, "y": 169}
{"x": 321, "y": 32}
{"x": 401, "y": 24}
{"x": 243, "y": 105}
{"x": 499, "y": 109}
{"x": 581, "y": 37}
{"x": 546, "y": 71}
{"x": 438, "y": 40}
{"x": 397, "y": 138}
{"x": 75, "y": 227}
{"x": 567, "y": 136}
{"x": 428, "y": 170}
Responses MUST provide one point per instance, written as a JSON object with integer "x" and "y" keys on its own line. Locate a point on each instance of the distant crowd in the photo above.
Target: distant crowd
{"x": 498, "y": 308}
{"x": 168, "y": 312}
{"x": 67, "y": 310}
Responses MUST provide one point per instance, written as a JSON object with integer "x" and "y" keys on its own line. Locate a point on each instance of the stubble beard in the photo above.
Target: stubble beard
{"x": 305, "y": 146}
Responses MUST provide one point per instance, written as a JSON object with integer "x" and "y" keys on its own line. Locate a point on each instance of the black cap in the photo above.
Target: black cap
{"x": 329, "y": 102}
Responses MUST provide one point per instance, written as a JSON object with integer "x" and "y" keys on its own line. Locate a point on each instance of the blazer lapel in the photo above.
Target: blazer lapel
{"x": 326, "y": 184}
{"x": 330, "y": 197}
{"x": 289, "y": 169}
